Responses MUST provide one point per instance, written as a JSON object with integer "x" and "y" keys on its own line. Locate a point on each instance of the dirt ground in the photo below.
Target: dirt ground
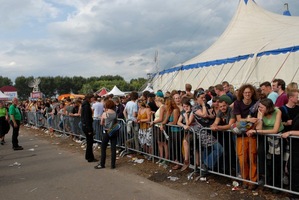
{"x": 213, "y": 187}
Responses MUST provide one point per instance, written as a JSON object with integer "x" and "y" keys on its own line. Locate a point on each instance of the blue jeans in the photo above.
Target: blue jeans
{"x": 211, "y": 155}
{"x": 49, "y": 121}
{"x": 96, "y": 128}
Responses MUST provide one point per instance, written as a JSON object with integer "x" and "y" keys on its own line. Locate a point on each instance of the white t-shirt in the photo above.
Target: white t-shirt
{"x": 98, "y": 109}
{"x": 130, "y": 108}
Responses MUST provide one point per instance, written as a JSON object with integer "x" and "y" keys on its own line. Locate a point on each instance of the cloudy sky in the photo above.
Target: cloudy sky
{"x": 110, "y": 37}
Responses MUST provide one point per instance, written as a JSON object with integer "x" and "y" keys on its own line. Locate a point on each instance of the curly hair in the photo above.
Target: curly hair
{"x": 252, "y": 89}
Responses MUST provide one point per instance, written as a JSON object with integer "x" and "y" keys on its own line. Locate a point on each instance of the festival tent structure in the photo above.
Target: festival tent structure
{"x": 3, "y": 96}
{"x": 116, "y": 92}
{"x": 148, "y": 88}
{"x": 256, "y": 46}
{"x": 102, "y": 92}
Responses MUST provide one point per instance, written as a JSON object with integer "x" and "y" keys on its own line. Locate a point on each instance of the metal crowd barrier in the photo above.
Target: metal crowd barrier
{"x": 207, "y": 151}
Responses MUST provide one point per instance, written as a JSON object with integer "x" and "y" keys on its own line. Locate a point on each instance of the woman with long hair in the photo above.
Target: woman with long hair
{"x": 160, "y": 115}
{"x": 270, "y": 123}
{"x": 172, "y": 116}
{"x": 144, "y": 132}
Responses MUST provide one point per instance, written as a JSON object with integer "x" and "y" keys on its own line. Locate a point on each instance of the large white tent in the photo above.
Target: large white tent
{"x": 116, "y": 92}
{"x": 257, "y": 46}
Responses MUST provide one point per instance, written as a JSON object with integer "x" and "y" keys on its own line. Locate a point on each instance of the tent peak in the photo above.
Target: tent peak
{"x": 286, "y": 11}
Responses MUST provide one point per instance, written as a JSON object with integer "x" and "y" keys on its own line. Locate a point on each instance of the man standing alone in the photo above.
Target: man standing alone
{"x": 86, "y": 119}
{"x": 15, "y": 121}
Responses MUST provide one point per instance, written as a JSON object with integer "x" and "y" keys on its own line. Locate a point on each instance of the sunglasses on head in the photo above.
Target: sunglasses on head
{"x": 200, "y": 93}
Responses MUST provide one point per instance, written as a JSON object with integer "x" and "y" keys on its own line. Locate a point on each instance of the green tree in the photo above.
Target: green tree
{"x": 136, "y": 84}
{"x": 47, "y": 86}
{"x": 21, "y": 84}
{"x": 5, "y": 81}
{"x": 77, "y": 84}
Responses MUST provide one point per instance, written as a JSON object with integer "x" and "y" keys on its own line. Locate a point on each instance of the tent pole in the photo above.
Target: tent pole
{"x": 218, "y": 74}
{"x": 283, "y": 63}
{"x": 204, "y": 78}
{"x": 228, "y": 71}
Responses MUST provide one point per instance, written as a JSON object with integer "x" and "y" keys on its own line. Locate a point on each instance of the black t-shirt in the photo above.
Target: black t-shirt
{"x": 287, "y": 114}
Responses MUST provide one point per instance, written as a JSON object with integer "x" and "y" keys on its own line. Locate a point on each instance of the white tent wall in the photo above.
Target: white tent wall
{"x": 257, "y": 46}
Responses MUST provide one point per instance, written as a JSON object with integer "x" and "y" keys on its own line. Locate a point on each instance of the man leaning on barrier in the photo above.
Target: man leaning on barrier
{"x": 223, "y": 122}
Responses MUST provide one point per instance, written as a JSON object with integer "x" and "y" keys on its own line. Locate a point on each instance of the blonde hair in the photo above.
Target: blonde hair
{"x": 160, "y": 99}
{"x": 292, "y": 86}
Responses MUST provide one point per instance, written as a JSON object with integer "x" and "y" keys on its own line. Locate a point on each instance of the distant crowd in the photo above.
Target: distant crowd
{"x": 170, "y": 117}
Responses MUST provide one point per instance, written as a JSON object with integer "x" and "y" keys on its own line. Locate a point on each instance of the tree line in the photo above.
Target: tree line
{"x": 50, "y": 86}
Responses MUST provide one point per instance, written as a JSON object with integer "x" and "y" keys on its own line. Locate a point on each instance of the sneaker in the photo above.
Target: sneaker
{"x": 204, "y": 170}
{"x": 18, "y": 148}
{"x": 99, "y": 166}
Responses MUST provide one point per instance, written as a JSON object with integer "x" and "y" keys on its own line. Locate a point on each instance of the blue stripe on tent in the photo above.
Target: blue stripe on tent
{"x": 230, "y": 60}
{"x": 246, "y": 1}
{"x": 287, "y": 13}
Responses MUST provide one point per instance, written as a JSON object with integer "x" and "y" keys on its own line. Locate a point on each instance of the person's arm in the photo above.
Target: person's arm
{"x": 202, "y": 112}
{"x": 125, "y": 113}
{"x": 290, "y": 133}
{"x": 227, "y": 126}
{"x": 166, "y": 118}
{"x": 214, "y": 126}
{"x": 103, "y": 118}
{"x": 6, "y": 114}
{"x": 179, "y": 123}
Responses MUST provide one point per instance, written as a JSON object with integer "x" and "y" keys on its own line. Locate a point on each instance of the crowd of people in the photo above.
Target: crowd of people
{"x": 247, "y": 129}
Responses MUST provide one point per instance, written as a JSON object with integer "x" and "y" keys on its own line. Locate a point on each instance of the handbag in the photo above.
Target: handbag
{"x": 114, "y": 129}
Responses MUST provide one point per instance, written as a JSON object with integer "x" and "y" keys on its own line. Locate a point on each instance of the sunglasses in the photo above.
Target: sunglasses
{"x": 200, "y": 93}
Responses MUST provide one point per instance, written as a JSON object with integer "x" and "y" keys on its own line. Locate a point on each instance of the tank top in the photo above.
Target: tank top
{"x": 157, "y": 116}
{"x": 141, "y": 116}
{"x": 173, "y": 128}
{"x": 109, "y": 121}
{"x": 268, "y": 123}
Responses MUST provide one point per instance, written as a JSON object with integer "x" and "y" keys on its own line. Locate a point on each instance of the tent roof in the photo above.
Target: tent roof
{"x": 8, "y": 88}
{"x": 115, "y": 91}
{"x": 253, "y": 31}
{"x": 102, "y": 92}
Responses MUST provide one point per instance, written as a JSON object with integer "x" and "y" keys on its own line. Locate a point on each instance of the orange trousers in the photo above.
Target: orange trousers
{"x": 247, "y": 154}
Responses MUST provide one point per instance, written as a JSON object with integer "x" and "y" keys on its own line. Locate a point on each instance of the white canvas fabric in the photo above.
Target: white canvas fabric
{"x": 116, "y": 92}
{"x": 257, "y": 46}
